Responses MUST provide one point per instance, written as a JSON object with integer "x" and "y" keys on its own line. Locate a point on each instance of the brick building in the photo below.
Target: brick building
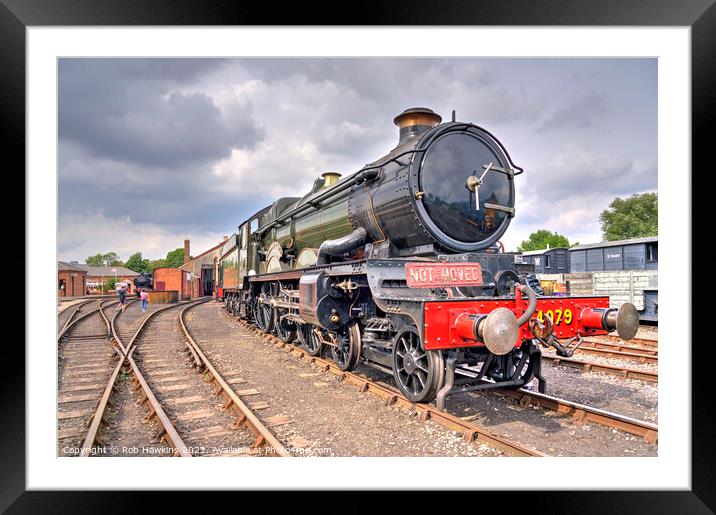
{"x": 203, "y": 268}
{"x": 99, "y": 274}
{"x": 71, "y": 280}
{"x": 173, "y": 279}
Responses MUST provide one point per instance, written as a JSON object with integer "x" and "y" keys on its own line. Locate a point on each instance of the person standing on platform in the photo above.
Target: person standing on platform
{"x": 145, "y": 299}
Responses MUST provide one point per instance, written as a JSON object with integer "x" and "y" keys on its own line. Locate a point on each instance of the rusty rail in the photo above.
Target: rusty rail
{"x": 588, "y": 366}
{"x": 73, "y": 321}
{"x": 99, "y": 415}
{"x": 95, "y": 423}
{"x": 617, "y": 347}
{"x": 634, "y": 341}
{"x": 77, "y": 309}
{"x": 470, "y": 431}
{"x": 581, "y": 413}
{"x": 264, "y": 438}
{"x": 618, "y": 353}
{"x": 168, "y": 432}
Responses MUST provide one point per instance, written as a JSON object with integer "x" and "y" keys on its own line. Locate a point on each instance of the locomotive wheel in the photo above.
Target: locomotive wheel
{"x": 301, "y": 333}
{"x": 347, "y": 353}
{"x": 313, "y": 345}
{"x": 526, "y": 372}
{"x": 264, "y": 313}
{"x": 286, "y": 331}
{"x": 418, "y": 373}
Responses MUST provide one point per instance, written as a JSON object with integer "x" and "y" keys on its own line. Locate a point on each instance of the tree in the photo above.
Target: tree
{"x": 543, "y": 238}
{"x": 111, "y": 259}
{"x": 109, "y": 284}
{"x": 95, "y": 260}
{"x": 137, "y": 263}
{"x": 633, "y": 217}
{"x": 175, "y": 258}
{"x": 108, "y": 259}
{"x": 157, "y": 263}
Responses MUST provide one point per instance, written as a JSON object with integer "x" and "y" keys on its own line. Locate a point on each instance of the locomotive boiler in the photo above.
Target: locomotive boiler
{"x": 398, "y": 266}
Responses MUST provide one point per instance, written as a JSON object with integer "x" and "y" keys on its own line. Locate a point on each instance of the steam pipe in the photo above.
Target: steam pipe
{"x": 342, "y": 245}
{"x": 531, "y": 307}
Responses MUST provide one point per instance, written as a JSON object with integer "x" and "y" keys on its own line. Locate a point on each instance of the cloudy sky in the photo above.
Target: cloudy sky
{"x": 153, "y": 151}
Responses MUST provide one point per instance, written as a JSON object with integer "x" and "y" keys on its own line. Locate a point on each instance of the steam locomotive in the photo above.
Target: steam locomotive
{"x": 144, "y": 281}
{"x": 398, "y": 266}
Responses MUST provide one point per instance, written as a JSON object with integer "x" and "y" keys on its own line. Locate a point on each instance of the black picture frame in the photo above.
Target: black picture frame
{"x": 700, "y": 15}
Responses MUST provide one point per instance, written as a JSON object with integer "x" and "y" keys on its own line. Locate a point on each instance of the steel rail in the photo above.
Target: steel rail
{"x": 99, "y": 417}
{"x": 581, "y": 413}
{"x": 74, "y": 322}
{"x": 94, "y": 424}
{"x": 635, "y": 341}
{"x": 616, "y": 347}
{"x": 621, "y": 354}
{"x": 470, "y": 431}
{"x": 263, "y": 436}
{"x": 589, "y": 366}
{"x": 99, "y": 414}
{"x": 77, "y": 308}
{"x": 168, "y": 432}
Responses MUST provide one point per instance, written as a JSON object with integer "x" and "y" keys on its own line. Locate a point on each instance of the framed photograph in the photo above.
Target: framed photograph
{"x": 416, "y": 253}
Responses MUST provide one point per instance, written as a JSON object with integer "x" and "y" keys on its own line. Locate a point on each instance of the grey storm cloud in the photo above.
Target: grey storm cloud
{"x": 581, "y": 113}
{"x": 170, "y": 148}
{"x": 127, "y": 111}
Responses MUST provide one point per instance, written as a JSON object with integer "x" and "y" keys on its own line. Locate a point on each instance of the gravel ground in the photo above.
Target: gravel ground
{"x": 648, "y": 331}
{"x": 329, "y": 418}
{"x": 631, "y": 397}
{"x": 547, "y": 431}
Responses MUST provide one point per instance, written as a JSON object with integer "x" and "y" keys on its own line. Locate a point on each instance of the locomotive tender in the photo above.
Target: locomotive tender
{"x": 397, "y": 266}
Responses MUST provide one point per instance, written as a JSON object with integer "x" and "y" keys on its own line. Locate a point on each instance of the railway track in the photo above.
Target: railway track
{"x": 88, "y": 364}
{"x": 611, "y": 350}
{"x": 590, "y": 366}
{"x": 580, "y": 413}
{"x": 232, "y": 399}
{"x": 184, "y": 405}
{"x": 93, "y": 352}
{"x": 471, "y": 432}
{"x": 71, "y": 312}
{"x": 619, "y": 347}
{"x": 647, "y": 342}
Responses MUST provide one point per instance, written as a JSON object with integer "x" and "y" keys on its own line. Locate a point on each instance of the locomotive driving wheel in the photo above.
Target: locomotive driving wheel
{"x": 418, "y": 373}
{"x": 310, "y": 341}
{"x": 285, "y": 329}
{"x": 263, "y": 311}
{"x": 346, "y": 353}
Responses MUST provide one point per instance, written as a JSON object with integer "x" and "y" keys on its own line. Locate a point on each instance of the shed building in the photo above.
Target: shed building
{"x": 615, "y": 256}
{"x": 173, "y": 279}
{"x": 204, "y": 267}
{"x": 99, "y": 274}
{"x": 548, "y": 261}
{"x": 71, "y": 280}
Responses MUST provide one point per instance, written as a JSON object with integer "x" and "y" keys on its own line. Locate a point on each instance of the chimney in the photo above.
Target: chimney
{"x": 186, "y": 251}
{"x": 226, "y": 237}
{"x": 415, "y": 121}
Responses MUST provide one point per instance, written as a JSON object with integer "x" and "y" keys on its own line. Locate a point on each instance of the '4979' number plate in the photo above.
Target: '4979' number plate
{"x": 432, "y": 275}
{"x": 558, "y": 316}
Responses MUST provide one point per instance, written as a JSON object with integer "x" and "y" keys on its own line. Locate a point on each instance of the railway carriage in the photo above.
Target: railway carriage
{"x": 398, "y": 266}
